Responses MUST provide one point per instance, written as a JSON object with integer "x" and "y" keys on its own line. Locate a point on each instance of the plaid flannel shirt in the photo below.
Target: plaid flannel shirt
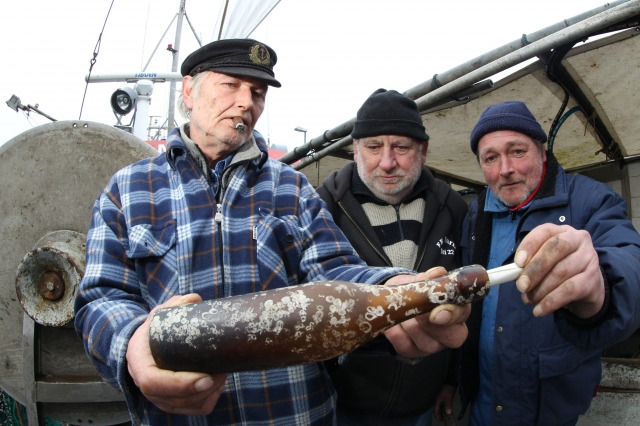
{"x": 155, "y": 234}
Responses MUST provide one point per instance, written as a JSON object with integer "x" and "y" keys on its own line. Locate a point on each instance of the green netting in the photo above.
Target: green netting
{"x": 12, "y": 413}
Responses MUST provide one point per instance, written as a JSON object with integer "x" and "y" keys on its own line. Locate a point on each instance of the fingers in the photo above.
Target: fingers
{"x": 139, "y": 355}
{"x": 401, "y": 279}
{"x": 184, "y": 392}
{"x": 180, "y": 300}
{"x": 560, "y": 269}
{"x": 448, "y": 314}
{"x": 435, "y": 272}
{"x": 538, "y": 255}
{"x": 534, "y": 240}
{"x": 445, "y": 324}
{"x": 436, "y": 412}
{"x": 427, "y": 334}
{"x": 181, "y": 392}
{"x": 420, "y": 342}
{"x": 577, "y": 294}
{"x": 444, "y": 402}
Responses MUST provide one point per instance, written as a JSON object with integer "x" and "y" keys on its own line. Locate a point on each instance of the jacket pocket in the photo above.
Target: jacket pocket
{"x": 151, "y": 240}
{"x": 151, "y": 248}
{"x": 279, "y": 250}
{"x": 569, "y": 377}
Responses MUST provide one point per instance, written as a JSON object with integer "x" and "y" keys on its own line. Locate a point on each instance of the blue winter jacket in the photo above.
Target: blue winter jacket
{"x": 546, "y": 370}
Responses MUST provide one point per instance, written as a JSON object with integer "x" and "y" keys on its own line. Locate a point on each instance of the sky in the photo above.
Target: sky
{"x": 332, "y": 54}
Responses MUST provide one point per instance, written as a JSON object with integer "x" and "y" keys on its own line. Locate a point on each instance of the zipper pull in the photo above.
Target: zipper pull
{"x": 218, "y": 216}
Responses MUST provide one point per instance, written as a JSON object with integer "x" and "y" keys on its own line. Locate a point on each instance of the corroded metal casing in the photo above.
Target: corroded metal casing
{"x": 48, "y": 276}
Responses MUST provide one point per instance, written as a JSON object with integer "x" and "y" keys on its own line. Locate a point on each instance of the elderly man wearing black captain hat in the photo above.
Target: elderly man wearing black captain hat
{"x": 210, "y": 218}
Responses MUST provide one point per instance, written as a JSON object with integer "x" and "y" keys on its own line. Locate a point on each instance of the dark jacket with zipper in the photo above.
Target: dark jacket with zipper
{"x": 372, "y": 381}
{"x": 547, "y": 369}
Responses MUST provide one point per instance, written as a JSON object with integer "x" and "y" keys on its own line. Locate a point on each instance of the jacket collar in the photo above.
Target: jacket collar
{"x": 179, "y": 143}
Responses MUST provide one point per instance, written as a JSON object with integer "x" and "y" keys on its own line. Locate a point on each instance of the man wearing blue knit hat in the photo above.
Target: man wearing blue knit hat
{"x": 533, "y": 356}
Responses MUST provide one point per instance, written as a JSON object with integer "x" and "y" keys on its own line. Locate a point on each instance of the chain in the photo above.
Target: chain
{"x": 94, "y": 59}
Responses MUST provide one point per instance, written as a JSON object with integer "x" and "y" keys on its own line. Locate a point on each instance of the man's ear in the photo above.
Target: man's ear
{"x": 187, "y": 84}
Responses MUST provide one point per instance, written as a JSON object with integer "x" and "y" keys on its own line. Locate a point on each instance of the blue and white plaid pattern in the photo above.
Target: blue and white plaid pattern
{"x": 153, "y": 235}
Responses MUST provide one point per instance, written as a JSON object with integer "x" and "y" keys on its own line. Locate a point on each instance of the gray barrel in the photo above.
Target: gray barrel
{"x": 51, "y": 176}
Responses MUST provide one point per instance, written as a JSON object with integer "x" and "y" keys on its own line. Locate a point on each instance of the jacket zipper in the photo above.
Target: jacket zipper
{"x": 218, "y": 219}
{"x": 420, "y": 258}
{"x": 382, "y": 255}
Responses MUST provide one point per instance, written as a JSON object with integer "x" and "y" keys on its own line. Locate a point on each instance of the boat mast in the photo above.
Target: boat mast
{"x": 174, "y": 68}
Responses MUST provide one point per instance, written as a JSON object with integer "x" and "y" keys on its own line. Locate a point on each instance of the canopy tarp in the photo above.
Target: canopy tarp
{"x": 582, "y": 77}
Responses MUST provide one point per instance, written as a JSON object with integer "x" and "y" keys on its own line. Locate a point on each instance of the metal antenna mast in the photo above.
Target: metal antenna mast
{"x": 174, "y": 68}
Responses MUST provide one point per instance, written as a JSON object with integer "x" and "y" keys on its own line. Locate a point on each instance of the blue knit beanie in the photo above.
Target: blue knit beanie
{"x": 387, "y": 112}
{"x": 507, "y": 116}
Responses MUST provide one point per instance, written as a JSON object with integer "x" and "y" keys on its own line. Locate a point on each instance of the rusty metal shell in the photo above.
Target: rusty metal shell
{"x": 48, "y": 276}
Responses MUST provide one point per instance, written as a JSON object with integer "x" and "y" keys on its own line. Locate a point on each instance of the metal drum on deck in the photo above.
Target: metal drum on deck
{"x": 51, "y": 176}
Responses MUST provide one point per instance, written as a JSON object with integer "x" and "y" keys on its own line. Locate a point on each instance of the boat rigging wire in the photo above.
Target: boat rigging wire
{"x": 93, "y": 59}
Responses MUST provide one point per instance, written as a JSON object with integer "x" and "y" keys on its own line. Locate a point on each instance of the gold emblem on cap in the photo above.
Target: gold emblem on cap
{"x": 260, "y": 55}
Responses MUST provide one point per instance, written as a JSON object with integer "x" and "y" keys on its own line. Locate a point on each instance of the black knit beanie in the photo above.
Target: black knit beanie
{"x": 387, "y": 112}
{"x": 513, "y": 115}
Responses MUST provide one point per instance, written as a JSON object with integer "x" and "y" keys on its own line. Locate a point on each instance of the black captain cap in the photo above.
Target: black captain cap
{"x": 238, "y": 57}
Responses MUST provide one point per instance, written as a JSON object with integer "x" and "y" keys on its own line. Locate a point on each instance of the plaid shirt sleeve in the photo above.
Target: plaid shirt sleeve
{"x": 153, "y": 235}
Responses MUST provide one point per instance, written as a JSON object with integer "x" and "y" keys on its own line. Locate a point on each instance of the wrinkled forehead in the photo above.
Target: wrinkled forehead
{"x": 389, "y": 140}
{"x": 504, "y": 140}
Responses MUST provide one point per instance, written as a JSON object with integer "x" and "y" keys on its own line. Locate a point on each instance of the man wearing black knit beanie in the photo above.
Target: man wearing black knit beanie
{"x": 394, "y": 213}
